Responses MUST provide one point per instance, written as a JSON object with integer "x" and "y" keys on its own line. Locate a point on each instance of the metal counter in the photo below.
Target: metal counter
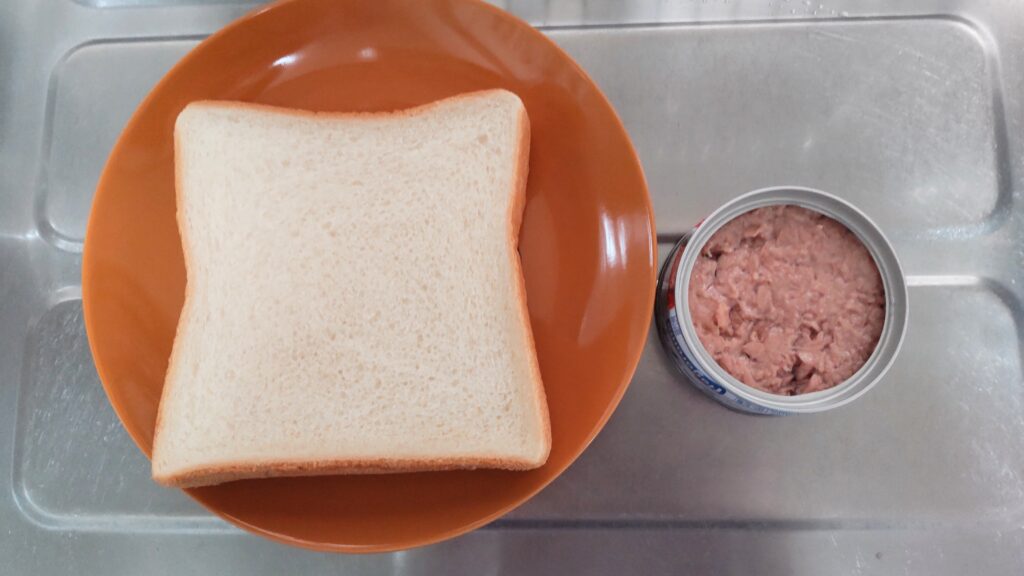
{"x": 912, "y": 110}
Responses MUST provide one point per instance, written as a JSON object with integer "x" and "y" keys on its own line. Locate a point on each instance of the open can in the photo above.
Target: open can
{"x": 678, "y": 334}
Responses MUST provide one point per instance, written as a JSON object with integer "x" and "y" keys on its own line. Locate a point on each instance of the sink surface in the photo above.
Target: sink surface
{"x": 913, "y": 111}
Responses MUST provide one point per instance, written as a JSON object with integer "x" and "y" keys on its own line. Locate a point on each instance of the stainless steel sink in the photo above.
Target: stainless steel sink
{"x": 912, "y": 110}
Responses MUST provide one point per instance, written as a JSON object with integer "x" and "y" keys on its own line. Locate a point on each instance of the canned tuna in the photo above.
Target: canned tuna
{"x": 678, "y": 334}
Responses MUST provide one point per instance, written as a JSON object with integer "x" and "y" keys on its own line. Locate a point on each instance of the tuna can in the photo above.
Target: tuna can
{"x": 677, "y": 332}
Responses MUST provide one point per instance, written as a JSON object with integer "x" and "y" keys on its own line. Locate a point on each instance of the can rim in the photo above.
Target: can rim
{"x": 882, "y": 253}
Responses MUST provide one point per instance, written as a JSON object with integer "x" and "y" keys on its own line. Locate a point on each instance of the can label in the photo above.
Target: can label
{"x": 672, "y": 334}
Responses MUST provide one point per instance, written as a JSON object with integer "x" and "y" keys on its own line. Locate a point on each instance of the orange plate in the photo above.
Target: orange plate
{"x": 587, "y": 243}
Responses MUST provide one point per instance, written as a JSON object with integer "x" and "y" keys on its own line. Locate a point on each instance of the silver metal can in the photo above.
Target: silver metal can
{"x": 675, "y": 325}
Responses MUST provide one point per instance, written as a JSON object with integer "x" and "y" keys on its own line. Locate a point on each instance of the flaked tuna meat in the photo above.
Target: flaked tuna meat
{"x": 787, "y": 300}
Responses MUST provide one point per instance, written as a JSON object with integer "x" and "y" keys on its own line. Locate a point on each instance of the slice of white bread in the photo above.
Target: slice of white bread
{"x": 355, "y": 302}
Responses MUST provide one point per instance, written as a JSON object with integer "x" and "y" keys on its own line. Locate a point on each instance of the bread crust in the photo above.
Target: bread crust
{"x": 516, "y": 210}
{"x": 230, "y": 471}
